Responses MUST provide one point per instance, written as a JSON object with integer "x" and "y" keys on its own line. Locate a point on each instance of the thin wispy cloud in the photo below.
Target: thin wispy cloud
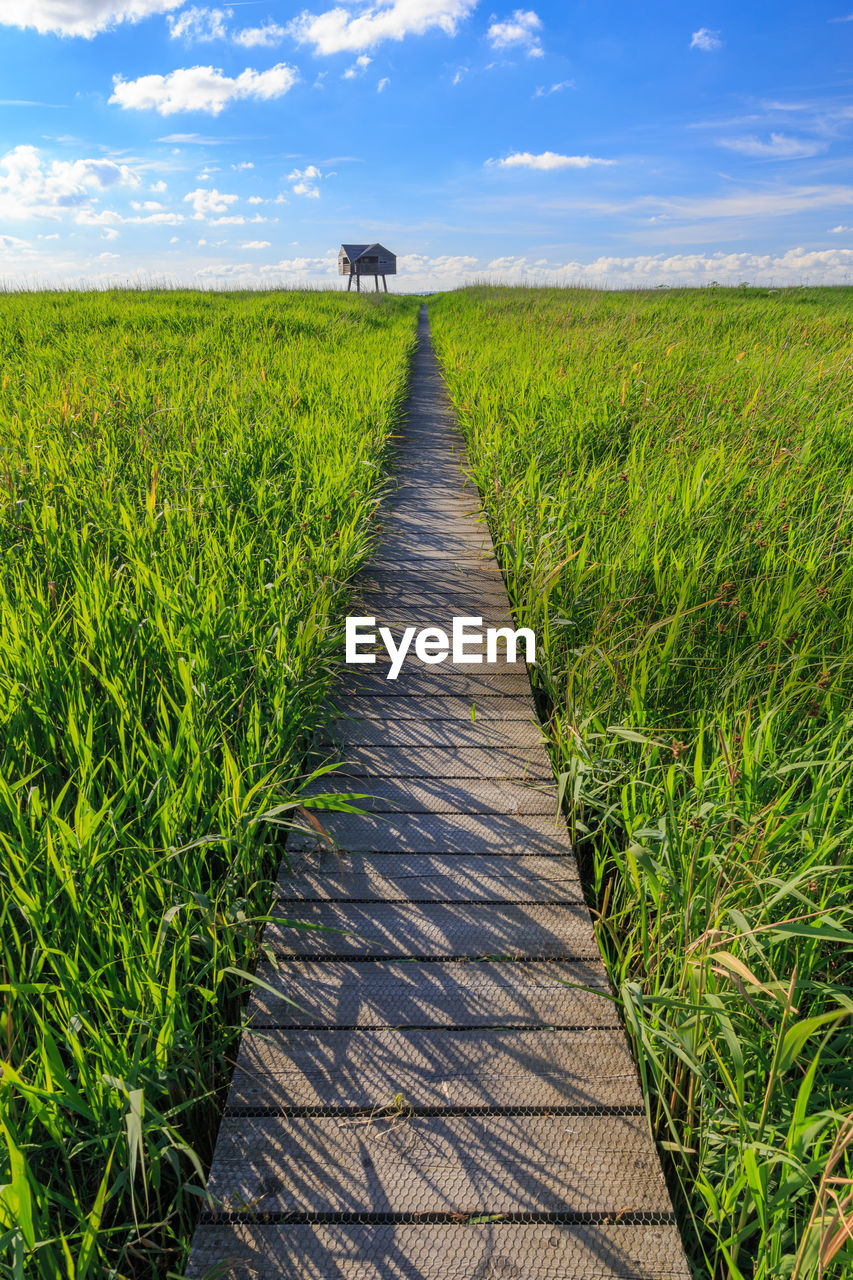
{"x": 201, "y": 89}
{"x": 779, "y": 146}
{"x": 266, "y": 36}
{"x": 706, "y": 40}
{"x": 521, "y": 31}
{"x": 199, "y": 26}
{"x": 360, "y": 65}
{"x": 546, "y": 161}
{"x": 543, "y": 91}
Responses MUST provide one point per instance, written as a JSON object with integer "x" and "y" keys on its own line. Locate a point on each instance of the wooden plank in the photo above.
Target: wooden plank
{"x": 454, "y": 993}
{"x": 435, "y": 1069}
{"x": 435, "y": 733}
{"x": 429, "y": 877}
{"x": 389, "y": 930}
{"x": 449, "y": 833}
{"x": 400, "y": 707}
{"x": 440, "y": 795}
{"x": 441, "y": 1251}
{"x": 449, "y": 762}
{"x": 435, "y": 1164}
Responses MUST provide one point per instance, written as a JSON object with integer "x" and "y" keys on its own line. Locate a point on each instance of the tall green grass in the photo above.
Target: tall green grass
{"x": 668, "y": 479}
{"x": 186, "y": 487}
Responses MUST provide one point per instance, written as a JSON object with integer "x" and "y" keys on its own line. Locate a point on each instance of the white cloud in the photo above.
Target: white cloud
{"x": 244, "y": 164}
{"x": 32, "y": 187}
{"x": 256, "y": 200}
{"x": 542, "y": 92}
{"x": 796, "y": 266}
{"x": 780, "y": 147}
{"x": 361, "y": 64}
{"x": 305, "y": 181}
{"x": 339, "y": 30}
{"x": 200, "y": 26}
{"x": 145, "y": 204}
{"x": 265, "y": 37}
{"x": 201, "y": 89}
{"x": 12, "y": 242}
{"x": 547, "y": 160}
{"x": 383, "y": 84}
{"x": 521, "y": 30}
{"x": 230, "y": 220}
{"x": 255, "y": 244}
{"x": 109, "y": 233}
{"x": 206, "y": 202}
{"x": 755, "y": 204}
{"x": 840, "y": 230}
{"x": 157, "y": 186}
{"x": 706, "y": 40}
{"x": 165, "y": 219}
{"x": 303, "y": 267}
{"x": 461, "y": 73}
{"x": 79, "y": 17}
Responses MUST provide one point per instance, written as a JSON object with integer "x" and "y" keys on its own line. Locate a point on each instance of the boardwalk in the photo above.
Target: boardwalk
{"x": 421, "y": 1095}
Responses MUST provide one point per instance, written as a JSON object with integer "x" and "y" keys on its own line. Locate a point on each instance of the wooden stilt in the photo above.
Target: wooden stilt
{"x": 376, "y": 284}
{"x": 358, "y": 283}
{"x": 349, "y": 282}
{"x": 385, "y": 282}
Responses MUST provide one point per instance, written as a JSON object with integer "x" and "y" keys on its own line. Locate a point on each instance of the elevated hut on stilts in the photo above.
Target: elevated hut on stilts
{"x": 357, "y": 260}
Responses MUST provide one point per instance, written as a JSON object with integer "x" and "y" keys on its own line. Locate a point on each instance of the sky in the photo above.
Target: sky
{"x": 595, "y": 142}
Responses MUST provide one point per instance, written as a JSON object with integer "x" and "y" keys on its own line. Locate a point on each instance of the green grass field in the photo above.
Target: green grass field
{"x": 668, "y": 480}
{"x": 186, "y": 487}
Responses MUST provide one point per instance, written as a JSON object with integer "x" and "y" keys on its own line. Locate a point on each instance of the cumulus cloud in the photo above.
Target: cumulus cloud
{"x": 255, "y": 244}
{"x": 796, "y": 266}
{"x": 264, "y": 37}
{"x": 840, "y": 230}
{"x": 33, "y": 187}
{"x": 79, "y": 17}
{"x": 206, "y": 202}
{"x": 546, "y": 160}
{"x": 706, "y": 40}
{"x": 383, "y": 84}
{"x": 305, "y": 181}
{"x": 200, "y": 26}
{"x": 521, "y": 30}
{"x": 341, "y": 30}
{"x": 779, "y": 147}
{"x": 201, "y": 89}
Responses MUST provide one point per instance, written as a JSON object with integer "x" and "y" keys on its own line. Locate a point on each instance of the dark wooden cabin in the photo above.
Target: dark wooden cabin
{"x": 357, "y": 260}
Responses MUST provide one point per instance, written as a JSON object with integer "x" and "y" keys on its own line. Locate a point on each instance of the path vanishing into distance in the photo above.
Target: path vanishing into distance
{"x": 442, "y": 1089}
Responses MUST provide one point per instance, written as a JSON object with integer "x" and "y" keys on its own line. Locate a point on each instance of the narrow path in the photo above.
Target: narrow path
{"x": 420, "y": 1095}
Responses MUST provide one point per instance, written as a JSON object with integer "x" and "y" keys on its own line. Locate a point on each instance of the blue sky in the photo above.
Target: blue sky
{"x": 598, "y": 142}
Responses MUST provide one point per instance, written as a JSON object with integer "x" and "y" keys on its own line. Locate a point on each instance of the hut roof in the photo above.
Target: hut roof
{"x": 356, "y": 251}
